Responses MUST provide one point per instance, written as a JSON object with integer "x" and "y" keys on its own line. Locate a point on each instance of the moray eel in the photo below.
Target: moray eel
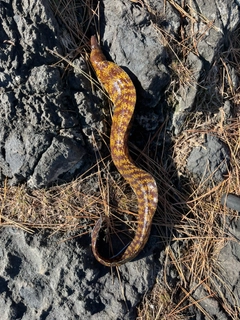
{"x": 122, "y": 92}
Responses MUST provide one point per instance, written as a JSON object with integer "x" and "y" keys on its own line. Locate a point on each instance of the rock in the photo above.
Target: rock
{"x": 43, "y": 276}
{"x": 187, "y": 93}
{"x": 61, "y": 156}
{"x": 214, "y": 21}
{"x": 224, "y": 280}
{"x": 135, "y": 36}
{"x": 209, "y": 162}
{"x": 41, "y": 139}
{"x": 232, "y": 201}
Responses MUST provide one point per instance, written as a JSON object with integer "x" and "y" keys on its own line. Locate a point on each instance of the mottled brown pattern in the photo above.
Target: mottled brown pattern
{"x": 122, "y": 92}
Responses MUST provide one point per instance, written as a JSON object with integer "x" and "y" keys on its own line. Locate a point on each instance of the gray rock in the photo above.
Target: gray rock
{"x": 41, "y": 138}
{"x": 61, "y": 156}
{"x": 134, "y": 36}
{"x": 187, "y": 93}
{"x": 42, "y": 276}
{"x": 224, "y": 280}
{"x": 232, "y": 201}
{"x": 209, "y": 162}
{"x": 217, "y": 20}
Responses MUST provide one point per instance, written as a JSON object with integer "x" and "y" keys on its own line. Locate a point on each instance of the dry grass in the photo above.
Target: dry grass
{"x": 192, "y": 216}
{"x": 202, "y": 227}
{"x": 76, "y": 18}
{"x": 202, "y": 235}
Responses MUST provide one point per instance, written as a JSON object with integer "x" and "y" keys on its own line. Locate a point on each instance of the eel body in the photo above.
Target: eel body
{"x": 122, "y": 92}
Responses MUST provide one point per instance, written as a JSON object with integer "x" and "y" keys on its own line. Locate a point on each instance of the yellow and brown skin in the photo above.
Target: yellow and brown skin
{"x": 122, "y": 92}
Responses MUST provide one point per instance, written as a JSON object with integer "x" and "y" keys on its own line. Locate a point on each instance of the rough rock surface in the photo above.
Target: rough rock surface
{"x": 226, "y": 279}
{"x": 134, "y": 35}
{"x": 46, "y": 122}
{"x": 209, "y": 161}
{"x": 43, "y": 277}
{"x": 224, "y": 15}
{"x": 42, "y": 137}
